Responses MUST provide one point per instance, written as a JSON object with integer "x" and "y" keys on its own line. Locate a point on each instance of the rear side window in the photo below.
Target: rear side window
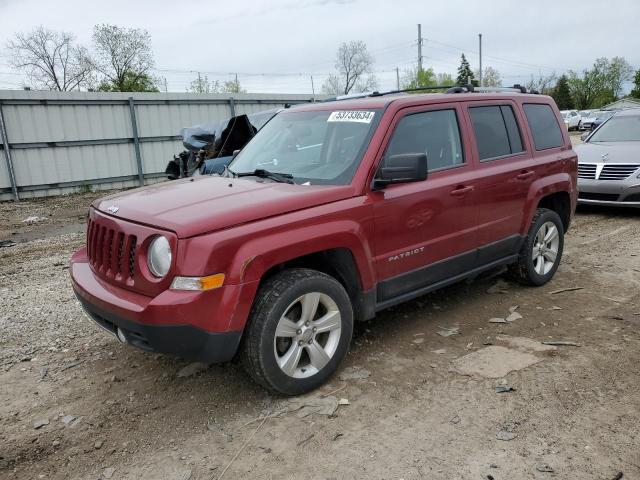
{"x": 544, "y": 126}
{"x": 496, "y": 130}
{"x": 435, "y": 133}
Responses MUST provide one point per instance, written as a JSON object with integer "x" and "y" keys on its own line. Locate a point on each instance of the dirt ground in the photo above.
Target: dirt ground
{"x": 424, "y": 406}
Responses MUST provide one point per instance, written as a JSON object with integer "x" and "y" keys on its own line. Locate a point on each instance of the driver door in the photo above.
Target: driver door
{"x": 426, "y": 231}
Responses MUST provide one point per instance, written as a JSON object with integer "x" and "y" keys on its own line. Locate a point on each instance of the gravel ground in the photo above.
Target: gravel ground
{"x": 76, "y": 404}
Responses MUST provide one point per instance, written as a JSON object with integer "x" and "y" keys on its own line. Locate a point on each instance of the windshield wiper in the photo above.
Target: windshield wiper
{"x": 262, "y": 173}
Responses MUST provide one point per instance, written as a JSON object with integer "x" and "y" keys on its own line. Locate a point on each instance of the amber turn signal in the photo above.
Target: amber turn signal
{"x": 198, "y": 283}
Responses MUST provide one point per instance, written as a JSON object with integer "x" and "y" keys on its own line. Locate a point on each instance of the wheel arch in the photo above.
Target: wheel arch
{"x": 559, "y": 202}
{"x": 338, "y": 248}
{"x": 550, "y": 192}
{"x": 340, "y": 264}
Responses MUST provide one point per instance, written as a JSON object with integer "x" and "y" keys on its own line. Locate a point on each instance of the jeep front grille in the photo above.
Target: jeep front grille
{"x": 108, "y": 247}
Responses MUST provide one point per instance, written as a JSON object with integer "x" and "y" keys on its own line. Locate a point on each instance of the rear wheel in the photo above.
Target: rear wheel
{"x": 299, "y": 331}
{"x": 541, "y": 252}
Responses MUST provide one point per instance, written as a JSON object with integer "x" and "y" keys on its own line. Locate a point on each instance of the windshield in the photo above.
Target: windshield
{"x": 584, "y": 113}
{"x": 317, "y": 147}
{"x": 618, "y": 129}
{"x": 564, "y": 114}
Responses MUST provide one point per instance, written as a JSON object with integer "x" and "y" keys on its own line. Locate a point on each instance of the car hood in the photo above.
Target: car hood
{"x": 616, "y": 152}
{"x": 194, "y": 206}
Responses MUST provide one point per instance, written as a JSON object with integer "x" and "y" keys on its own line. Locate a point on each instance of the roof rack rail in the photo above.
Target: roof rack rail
{"x": 467, "y": 88}
{"x": 515, "y": 88}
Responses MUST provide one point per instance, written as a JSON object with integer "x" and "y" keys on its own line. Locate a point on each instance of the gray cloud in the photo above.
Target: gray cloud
{"x": 288, "y": 41}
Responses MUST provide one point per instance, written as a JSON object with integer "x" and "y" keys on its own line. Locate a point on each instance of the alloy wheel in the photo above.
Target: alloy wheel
{"x": 307, "y": 335}
{"x": 545, "y": 248}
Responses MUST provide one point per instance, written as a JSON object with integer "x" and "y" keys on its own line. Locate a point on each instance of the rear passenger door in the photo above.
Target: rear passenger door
{"x": 507, "y": 169}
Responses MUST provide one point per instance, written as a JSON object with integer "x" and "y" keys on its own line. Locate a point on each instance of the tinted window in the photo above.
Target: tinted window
{"x": 496, "y": 131}
{"x": 435, "y": 133}
{"x": 544, "y": 126}
{"x": 512, "y": 129}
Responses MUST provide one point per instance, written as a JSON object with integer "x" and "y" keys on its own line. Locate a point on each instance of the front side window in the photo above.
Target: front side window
{"x": 435, "y": 133}
{"x": 544, "y": 126}
{"x": 618, "y": 129}
{"x": 316, "y": 147}
{"x": 496, "y": 130}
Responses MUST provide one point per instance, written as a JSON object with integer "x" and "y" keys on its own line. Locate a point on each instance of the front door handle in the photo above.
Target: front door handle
{"x": 525, "y": 174}
{"x": 461, "y": 191}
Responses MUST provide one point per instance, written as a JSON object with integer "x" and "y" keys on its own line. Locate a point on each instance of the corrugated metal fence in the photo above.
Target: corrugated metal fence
{"x": 58, "y": 142}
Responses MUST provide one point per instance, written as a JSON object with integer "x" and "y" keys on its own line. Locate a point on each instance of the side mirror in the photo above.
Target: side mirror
{"x": 584, "y": 136}
{"x": 403, "y": 168}
{"x": 235, "y": 152}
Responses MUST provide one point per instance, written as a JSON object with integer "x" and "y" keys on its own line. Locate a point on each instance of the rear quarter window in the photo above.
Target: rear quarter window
{"x": 544, "y": 126}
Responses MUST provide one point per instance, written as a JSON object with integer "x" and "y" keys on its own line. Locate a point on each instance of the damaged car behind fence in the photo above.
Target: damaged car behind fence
{"x": 211, "y": 147}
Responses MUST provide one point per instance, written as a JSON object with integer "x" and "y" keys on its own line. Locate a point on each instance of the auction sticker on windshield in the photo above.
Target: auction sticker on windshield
{"x": 351, "y": 116}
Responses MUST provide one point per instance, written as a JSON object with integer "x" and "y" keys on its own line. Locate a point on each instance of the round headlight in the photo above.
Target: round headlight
{"x": 159, "y": 256}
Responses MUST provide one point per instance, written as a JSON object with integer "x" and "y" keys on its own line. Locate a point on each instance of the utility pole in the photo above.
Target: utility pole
{"x": 313, "y": 90}
{"x": 237, "y": 84}
{"x": 419, "y": 47}
{"x": 397, "y": 78}
{"x": 480, "y": 55}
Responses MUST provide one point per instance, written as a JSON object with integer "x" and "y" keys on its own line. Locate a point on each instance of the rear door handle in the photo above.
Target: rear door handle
{"x": 461, "y": 191}
{"x": 525, "y": 174}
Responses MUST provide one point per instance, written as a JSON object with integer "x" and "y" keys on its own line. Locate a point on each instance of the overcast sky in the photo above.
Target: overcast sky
{"x": 275, "y": 46}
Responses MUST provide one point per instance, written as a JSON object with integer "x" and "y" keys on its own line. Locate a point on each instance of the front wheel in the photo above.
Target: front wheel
{"x": 542, "y": 249}
{"x": 299, "y": 331}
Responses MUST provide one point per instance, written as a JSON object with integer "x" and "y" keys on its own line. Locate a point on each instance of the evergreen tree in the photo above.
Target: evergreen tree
{"x": 562, "y": 95}
{"x": 636, "y": 85}
{"x": 464, "y": 72}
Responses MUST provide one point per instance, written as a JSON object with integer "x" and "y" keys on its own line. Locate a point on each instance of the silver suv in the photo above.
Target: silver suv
{"x": 609, "y": 162}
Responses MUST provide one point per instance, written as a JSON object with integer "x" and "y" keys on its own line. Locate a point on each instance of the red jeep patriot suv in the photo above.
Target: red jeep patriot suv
{"x": 331, "y": 213}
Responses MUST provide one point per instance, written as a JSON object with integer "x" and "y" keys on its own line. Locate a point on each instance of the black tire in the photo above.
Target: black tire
{"x": 524, "y": 270}
{"x": 272, "y": 301}
{"x": 580, "y": 126}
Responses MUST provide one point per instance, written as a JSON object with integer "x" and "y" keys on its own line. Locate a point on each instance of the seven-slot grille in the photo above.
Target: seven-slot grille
{"x": 610, "y": 171}
{"x": 111, "y": 252}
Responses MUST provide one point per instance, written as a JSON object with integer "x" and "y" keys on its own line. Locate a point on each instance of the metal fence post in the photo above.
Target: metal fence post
{"x": 7, "y": 155}
{"x": 232, "y": 106}
{"x": 136, "y": 140}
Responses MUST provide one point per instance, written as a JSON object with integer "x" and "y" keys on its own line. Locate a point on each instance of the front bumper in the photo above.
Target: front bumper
{"x": 619, "y": 193}
{"x": 200, "y": 326}
{"x": 185, "y": 341}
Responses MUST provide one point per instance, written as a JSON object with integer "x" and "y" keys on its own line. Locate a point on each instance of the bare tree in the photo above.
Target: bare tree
{"x": 202, "y": 84}
{"x": 543, "y": 84}
{"x": 233, "y": 86}
{"x": 50, "y": 59}
{"x": 490, "y": 77}
{"x": 122, "y": 55}
{"x": 354, "y": 65}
